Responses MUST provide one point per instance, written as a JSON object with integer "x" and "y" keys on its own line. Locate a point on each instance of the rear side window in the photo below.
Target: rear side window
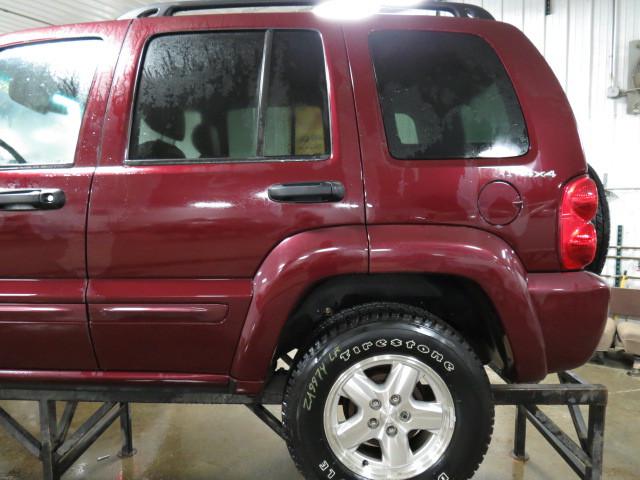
{"x": 446, "y": 95}
{"x": 43, "y": 94}
{"x": 232, "y": 96}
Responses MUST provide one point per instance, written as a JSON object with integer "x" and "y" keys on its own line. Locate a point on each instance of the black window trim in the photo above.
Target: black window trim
{"x": 50, "y": 166}
{"x": 263, "y": 86}
{"x": 530, "y": 140}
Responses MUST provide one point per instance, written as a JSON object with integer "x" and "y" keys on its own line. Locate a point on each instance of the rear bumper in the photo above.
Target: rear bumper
{"x": 572, "y": 311}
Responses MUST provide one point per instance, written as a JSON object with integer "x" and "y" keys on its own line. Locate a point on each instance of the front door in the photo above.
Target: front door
{"x": 51, "y": 95}
{"x": 222, "y": 141}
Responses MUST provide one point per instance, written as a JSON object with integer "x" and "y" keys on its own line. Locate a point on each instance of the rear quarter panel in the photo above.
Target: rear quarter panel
{"x": 446, "y": 191}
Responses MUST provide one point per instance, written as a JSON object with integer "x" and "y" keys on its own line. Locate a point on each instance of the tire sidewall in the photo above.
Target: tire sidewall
{"x": 457, "y": 366}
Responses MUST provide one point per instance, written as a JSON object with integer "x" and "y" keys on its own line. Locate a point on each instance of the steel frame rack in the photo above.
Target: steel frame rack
{"x": 585, "y": 458}
{"x": 459, "y": 10}
{"x": 58, "y": 448}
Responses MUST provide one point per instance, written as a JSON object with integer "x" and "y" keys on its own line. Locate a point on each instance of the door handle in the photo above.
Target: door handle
{"x": 314, "y": 192}
{"x": 31, "y": 199}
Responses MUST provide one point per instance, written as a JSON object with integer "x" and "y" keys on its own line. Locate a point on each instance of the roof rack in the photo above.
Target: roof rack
{"x": 459, "y": 10}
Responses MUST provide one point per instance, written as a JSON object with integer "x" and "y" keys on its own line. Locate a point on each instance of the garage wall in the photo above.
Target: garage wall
{"x": 576, "y": 41}
{"x": 22, "y": 14}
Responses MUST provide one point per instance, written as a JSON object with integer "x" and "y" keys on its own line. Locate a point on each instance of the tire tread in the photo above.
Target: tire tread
{"x": 371, "y": 313}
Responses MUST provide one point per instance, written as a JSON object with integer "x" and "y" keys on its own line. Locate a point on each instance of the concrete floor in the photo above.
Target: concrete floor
{"x": 228, "y": 442}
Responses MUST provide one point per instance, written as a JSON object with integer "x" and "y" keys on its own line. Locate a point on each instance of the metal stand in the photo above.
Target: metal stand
{"x": 57, "y": 450}
{"x": 635, "y": 370}
{"x": 584, "y": 458}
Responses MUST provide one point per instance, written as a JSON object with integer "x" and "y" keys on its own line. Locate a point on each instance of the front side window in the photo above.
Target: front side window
{"x": 445, "y": 95}
{"x": 43, "y": 94}
{"x": 231, "y": 96}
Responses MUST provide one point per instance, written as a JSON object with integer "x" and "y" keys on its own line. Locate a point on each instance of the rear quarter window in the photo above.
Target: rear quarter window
{"x": 445, "y": 95}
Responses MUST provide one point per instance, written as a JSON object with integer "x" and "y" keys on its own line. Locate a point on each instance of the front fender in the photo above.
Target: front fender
{"x": 288, "y": 271}
{"x": 478, "y": 256}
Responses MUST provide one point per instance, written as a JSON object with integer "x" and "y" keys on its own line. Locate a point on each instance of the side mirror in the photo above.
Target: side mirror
{"x": 35, "y": 92}
{"x": 29, "y": 91}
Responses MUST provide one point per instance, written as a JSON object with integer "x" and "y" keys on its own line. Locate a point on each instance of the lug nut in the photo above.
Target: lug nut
{"x": 373, "y": 423}
{"x": 392, "y": 431}
{"x": 375, "y": 404}
{"x": 395, "y": 400}
{"x": 405, "y": 416}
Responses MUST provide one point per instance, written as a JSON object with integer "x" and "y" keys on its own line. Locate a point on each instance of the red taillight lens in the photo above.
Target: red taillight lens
{"x": 580, "y": 248}
{"x": 583, "y": 198}
{"x": 578, "y": 239}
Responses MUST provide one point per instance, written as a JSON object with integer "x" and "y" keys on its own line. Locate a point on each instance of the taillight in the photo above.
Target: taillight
{"x": 578, "y": 239}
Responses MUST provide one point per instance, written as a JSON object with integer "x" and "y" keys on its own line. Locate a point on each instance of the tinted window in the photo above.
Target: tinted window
{"x": 231, "y": 95}
{"x": 446, "y": 95}
{"x": 43, "y": 95}
{"x": 297, "y": 122}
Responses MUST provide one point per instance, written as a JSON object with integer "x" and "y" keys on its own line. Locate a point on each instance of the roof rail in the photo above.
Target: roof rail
{"x": 459, "y": 10}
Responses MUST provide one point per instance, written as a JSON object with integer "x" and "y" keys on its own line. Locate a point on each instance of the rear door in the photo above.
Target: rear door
{"x": 53, "y": 86}
{"x": 227, "y": 133}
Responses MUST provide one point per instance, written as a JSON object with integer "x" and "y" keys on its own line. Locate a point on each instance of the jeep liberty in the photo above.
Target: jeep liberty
{"x": 195, "y": 191}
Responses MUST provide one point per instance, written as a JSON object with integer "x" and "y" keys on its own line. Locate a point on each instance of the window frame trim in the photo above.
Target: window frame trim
{"x": 380, "y": 107}
{"x": 263, "y": 84}
{"x": 72, "y": 164}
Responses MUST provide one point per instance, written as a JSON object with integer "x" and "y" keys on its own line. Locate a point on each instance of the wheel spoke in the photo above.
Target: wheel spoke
{"x": 354, "y": 432}
{"x": 402, "y": 380}
{"x": 360, "y": 390}
{"x": 396, "y": 450}
{"x": 426, "y": 416}
{"x": 368, "y": 415}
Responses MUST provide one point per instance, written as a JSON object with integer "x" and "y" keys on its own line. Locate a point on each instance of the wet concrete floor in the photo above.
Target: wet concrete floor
{"x": 178, "y": 442}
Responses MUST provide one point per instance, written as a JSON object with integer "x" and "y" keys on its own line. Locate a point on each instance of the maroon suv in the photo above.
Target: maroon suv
{"x": 388, "y": 204}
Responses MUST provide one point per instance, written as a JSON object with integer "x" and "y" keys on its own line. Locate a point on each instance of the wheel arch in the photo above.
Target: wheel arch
{"x": 480, "y": 257}
{"x": 458, "y": 301}
{"x": 301, "y": 271}
{"x": 281, "y": 281}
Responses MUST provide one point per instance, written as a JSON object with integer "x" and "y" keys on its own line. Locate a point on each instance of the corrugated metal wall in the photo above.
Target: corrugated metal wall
{"x": 575, "y": 39}
{"x": 22, "y": 14}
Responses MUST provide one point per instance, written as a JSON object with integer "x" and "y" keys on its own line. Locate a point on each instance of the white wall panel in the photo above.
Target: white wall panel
{"x": 556, "y": 47}
{"x": 513, "y": 13}
{"x": 20, "y": 14}
{"x": 579, "y": 54}
{"x": 495, "y": 7}
{"x": 535, "y": 22}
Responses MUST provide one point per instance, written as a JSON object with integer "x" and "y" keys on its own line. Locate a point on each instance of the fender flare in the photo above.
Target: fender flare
{"x": 478, "y": 256}
{"x": 307, "y": 258}
{"x": 284, "y": 276}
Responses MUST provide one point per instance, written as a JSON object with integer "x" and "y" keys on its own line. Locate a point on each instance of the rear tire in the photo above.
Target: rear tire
{"x": 388, "y": 392}
{"x": 602, "y": 224}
